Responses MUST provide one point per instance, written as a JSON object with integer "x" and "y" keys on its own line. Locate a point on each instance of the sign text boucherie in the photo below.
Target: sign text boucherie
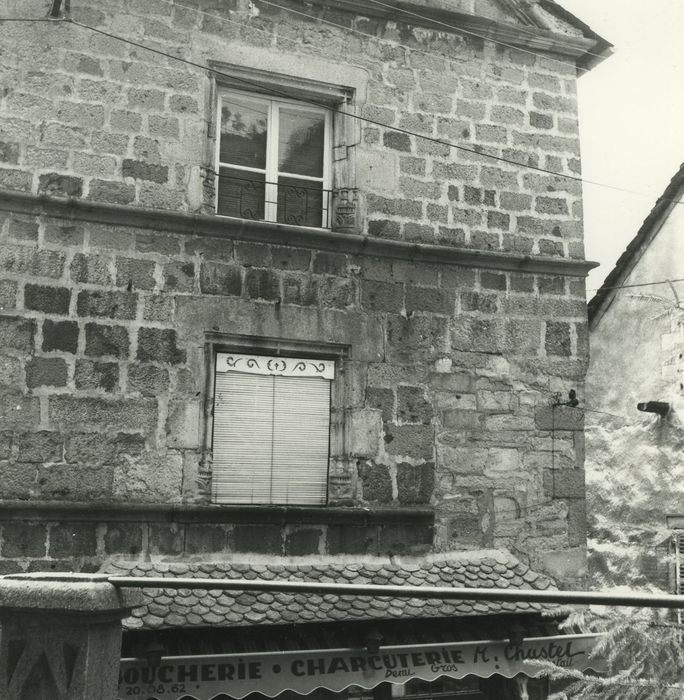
{"x": 237, "y": 675}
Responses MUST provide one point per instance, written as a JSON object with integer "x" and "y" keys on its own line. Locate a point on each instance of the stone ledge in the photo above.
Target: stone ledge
{"x": 283, "y": 234}
{"x": 127, "y": 512}
{"x": 66, "y": 593}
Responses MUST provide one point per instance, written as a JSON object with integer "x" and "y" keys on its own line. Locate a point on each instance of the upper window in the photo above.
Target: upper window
{"x": 271, "y": 435}
{"x": 273, "y": 160}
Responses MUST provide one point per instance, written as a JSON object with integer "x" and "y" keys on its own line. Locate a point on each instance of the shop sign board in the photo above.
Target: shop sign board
{"x": 238, "y": 675}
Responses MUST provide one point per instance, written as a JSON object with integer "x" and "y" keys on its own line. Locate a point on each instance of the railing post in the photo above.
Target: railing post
{"x": 60, "y": 636}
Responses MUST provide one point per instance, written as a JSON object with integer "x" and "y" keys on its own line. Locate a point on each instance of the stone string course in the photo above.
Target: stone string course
{"x": 168, "y": 608}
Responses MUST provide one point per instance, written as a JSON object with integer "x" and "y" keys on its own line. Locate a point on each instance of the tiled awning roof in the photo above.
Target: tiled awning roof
{"x": 169, "y": 608}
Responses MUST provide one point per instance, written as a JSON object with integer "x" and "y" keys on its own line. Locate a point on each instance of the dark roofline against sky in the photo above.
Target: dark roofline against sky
{"x": 603, "y": 298}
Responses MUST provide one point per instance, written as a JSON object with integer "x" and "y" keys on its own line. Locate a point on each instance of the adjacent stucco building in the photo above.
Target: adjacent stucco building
{"x": 257, "y": 311}
{"x": 634, "y": 458}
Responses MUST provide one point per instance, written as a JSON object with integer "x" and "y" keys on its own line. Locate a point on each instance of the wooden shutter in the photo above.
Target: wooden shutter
{"x": 271, "y": 430}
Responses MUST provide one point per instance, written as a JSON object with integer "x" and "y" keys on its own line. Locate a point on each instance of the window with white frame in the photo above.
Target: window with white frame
{"x": 271, "y": 429}
{"x": 273, "y": 159}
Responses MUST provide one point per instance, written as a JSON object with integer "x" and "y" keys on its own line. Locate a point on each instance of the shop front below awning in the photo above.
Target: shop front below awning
{"x": 237, "y": 675}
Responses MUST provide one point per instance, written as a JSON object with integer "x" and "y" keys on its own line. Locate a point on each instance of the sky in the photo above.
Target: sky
{"x": 631, "y": 119}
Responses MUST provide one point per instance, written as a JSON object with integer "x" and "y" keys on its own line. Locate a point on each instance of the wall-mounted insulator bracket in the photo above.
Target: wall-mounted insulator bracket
{"x": 662, "y": 408}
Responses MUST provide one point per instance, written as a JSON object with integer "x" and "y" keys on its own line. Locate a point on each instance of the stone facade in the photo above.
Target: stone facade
{"x": 454, "y": 285}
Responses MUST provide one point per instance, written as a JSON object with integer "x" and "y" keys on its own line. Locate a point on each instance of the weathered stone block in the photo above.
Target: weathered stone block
{"x": 159, "y": 345}
{"x": 90, "y": 268}
{"x": 166, "y": 538}
{"x": 262, "y": 284}
{"x": 476, "y": 301}
{"x": 350, "y": 539}
{"x": 205, "y": 538}
{"x": 72, "y": 540}
{"x": 382, "y": 400}
{"x": 415, "y": 484}
{"x": 290, "y": 258}
{"x": 478, "y": 335}
{"x": 106, "y": 340}
{"x": 364, "y": 429}
{"x": 412, "y": 405}
{"x": 564, "y": 483}
{"x": 417, "y": 338}
{"x": 464, "y": 530}
{"x": 558, "y": 341}
{"x": 70, "y": 412}
{"x": 217, "y": 278}
{"x": 303, "y": 541}
{"x": 397, "y": 141}
{"x": 23, "y": 229}
{"x": 414, "y": 538}
{"x": 123, "y": 539}
{"x": 158, "y": 307}
{"x": 117, "y": 305}
{"x": 410, "y": 440}
{"x": 382, "y": 296}
{"x": 149, "y": 380}
{"x": 95, "y": 449}
{"x": 501, "y": 461}
{"x": 96, "y": 375}
{"x": 69, "y": 482}
{"x": 135, "y": 274}
{"x": 23, "y": 540}
{"x": 383, "y": 228}
{"x": 58, "y": 185}
{"x": 17, "y": 333}
{"x": 264, "y": 539}
{"x": 43, "y": 446}
{"x": 46, "y": 371}
{"x": 111, "y": 191}
{"x": 179, "y": 276}
{"x": 182, "y": 424}
{"x": 376, "y": 482}
{"x": 51, "y": 300}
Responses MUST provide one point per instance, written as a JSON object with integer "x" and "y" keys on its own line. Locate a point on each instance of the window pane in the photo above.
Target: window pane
{"x": 302, "y": 137}
{"x": 241, "y": 193}
{"x": 300, "y": 202}
{"x": 244, "y": 126}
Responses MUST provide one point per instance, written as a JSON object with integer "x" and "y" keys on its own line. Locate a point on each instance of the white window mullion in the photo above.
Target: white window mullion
{"x": 271, "y": 207}
{"x": 327, "y": 169}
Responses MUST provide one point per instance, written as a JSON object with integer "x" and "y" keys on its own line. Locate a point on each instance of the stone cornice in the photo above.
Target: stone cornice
{"x": 531, "y": 36}
{"x": 282, "y": 234}
{"x": 55, "y": 511}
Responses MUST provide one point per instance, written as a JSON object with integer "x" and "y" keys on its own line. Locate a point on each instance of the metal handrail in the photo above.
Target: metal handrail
{"x": 634, "y": 599}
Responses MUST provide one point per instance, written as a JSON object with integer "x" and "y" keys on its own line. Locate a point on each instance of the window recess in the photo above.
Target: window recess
{"x": 271, "y": 429}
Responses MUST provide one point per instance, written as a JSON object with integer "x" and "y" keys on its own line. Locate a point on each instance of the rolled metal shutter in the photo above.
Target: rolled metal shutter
{"x": 271, "y": 430}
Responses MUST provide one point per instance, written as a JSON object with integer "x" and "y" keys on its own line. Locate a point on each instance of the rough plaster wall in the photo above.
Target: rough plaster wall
{"x": 634, "y": 460}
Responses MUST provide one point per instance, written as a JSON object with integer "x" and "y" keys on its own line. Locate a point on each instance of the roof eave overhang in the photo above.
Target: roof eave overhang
{"x": 584, "y": 51}
{"x": 604, "y": 297}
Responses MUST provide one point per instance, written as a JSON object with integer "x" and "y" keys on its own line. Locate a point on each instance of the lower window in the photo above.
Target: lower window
{"x": 271, "y": 434}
